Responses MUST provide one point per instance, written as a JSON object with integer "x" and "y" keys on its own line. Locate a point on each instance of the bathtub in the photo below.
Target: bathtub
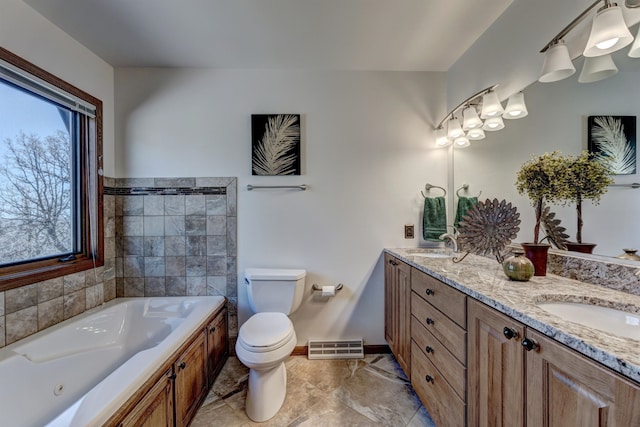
{"x": 79, "y": 372}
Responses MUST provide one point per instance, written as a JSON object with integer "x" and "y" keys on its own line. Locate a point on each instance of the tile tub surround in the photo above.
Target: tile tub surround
{"x": 483, "y": 279}
{"x": 176, "y": 237}
{"x": 360, "y": 392}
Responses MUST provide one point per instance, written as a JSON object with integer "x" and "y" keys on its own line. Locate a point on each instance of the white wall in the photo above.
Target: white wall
{"x": 366, "y": 155}
{"x": 27, "y": 34}
{"x": 557, "y": 121}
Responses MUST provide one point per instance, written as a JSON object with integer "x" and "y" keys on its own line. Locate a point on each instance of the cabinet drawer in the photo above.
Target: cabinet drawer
{"x": 454, "y": 372}
{"x": 442, "y": 403}
{"x": 452, "y": 336}
{"x": 444, "y": 297}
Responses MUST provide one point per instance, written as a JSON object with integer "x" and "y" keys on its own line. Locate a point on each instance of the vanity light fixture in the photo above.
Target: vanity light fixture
{"x": 557, "y": 63}
{"x": 476, "y": 134}
{"x": 493, "y": 124}
{"x": 491, "y": 106}
{"x": 470, "y": 119}
{"x": 488, "y": 103}
{"x": 516, "y": 108}
{"x": 442, "y": 140}
{"x": 454, "y": 130}
{"x": 609, "y": 32}
{"x": 461, "y": 142}
{"x": 597, "y": 68}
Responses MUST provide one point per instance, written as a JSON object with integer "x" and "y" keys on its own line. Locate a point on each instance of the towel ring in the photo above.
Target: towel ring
{"x": 428, "y": 187}
{"x": 465, "y": 187}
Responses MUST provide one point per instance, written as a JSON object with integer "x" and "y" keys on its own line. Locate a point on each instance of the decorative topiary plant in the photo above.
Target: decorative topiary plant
{"x": 587, "y": 179}
{"x": 543, "y": 178}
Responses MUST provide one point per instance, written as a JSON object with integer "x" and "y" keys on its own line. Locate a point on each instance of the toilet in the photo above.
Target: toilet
{"x": 267, "y": 338}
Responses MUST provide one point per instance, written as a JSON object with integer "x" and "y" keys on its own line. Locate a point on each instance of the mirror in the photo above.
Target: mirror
{"x": 557, "y": 120}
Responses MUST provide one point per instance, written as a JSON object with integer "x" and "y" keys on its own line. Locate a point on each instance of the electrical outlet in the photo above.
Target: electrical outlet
{"x": 408, "y": 231}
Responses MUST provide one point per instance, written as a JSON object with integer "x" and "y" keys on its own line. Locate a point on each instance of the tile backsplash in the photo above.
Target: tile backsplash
{"x": 163, "y": 237}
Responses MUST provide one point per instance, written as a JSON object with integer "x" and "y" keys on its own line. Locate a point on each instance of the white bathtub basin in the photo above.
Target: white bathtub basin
{"x": 615, "y": 322}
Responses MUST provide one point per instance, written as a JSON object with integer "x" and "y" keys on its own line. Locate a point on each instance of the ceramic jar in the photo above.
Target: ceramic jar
{"x": 518, "y": 267}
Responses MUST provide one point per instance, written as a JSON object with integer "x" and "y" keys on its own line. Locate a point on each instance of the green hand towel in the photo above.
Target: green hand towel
{"x": 434, "y": 221}
{"x": 464, "y": 204}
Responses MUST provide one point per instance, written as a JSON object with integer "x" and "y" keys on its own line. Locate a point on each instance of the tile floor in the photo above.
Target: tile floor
{"x": 359, "y": 392}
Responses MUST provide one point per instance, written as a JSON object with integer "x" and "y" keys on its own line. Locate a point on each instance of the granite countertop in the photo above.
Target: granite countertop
{"x": 484, "y": 280}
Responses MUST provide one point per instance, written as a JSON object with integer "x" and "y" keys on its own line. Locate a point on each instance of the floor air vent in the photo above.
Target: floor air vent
{"x": 345, "y": 349}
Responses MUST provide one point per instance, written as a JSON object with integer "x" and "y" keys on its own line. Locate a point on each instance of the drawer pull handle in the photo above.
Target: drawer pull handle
{"x": 212, "y": 329}
{"x": 530, "y": 344}
{"x": 182, "y": 365}
{"x": 392, "y": 262}
{"x": 430, "y": 321}
{"x": 429, "y": 379}
{"x": 428, "y": 349}
{"x": 510, "y": 333}
{"x": 429, "y": 291}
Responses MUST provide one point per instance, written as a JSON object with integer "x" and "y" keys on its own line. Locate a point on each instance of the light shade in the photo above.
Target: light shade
{"x": 516, "y": 108}
{"x": 609, "y": 32}
{"x": 441, "y": 138}
{"x": 454, "y": 129}
{"x": 634, "y": 52}
{"x": 557, "y": 63}
{"x": 476, "y": 134}
{"x": 493, "y": 123}
{"x": 491, "y": 106}
{"x": 597, "y": 68}
{"x": 470, "y": 119}
{"x": 461, "y": 142}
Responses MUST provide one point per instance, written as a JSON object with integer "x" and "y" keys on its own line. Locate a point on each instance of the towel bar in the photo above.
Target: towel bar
{"x": 632, "y": 185}
{"x": 301, "y": 187}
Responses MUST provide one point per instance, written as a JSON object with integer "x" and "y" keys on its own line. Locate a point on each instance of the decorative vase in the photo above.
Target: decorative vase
{"x": 518, "y": 267}
{"x": 537, "y": 253}
{"x": 585, "y": 248}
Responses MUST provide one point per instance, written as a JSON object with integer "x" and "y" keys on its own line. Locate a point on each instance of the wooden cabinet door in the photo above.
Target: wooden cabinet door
{"x": 398, "y": 310}
{"x": 217, "y": 345}
{"x": 495, "y": 369}
{"x": 191, "y": 380}
{"x": 156, "y": 407}
{"x": 565, "y": 389}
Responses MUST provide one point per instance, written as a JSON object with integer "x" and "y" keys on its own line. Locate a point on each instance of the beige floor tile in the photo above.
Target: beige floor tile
{"x": 355, "y": 392}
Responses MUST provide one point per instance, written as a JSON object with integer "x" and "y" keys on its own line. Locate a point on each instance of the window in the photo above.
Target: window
{"x": 50, "y": 185}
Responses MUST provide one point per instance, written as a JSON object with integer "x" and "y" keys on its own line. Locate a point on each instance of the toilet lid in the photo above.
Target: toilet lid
{"x": 265, "y": 331}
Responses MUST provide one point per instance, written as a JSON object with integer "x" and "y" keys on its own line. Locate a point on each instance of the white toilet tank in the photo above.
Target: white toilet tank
{"x": 274, "y": 290}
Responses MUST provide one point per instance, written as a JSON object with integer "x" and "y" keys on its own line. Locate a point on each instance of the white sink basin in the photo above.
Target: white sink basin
{"x": 615, "y": 322}
{"x": 432, "y": 255}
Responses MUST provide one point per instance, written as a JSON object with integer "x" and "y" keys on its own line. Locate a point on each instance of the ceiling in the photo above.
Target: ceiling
{"x": 398, "y": 35}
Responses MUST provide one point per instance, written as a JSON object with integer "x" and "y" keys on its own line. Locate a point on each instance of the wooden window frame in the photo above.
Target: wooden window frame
{"x": 29, "y": 272}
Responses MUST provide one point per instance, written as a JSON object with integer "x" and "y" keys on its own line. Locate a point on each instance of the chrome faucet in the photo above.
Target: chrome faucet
{"x": 452, "y": 238}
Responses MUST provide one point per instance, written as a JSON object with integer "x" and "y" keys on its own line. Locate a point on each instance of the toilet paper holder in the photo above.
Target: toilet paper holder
{"x": 317, "y": 287}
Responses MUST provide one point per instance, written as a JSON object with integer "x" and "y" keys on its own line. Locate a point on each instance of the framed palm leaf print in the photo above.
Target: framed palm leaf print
{"x": 612, "y": 139}
{"x": 275, "y": 144}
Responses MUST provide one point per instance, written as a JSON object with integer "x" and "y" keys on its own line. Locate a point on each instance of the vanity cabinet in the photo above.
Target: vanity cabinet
{"x": 438, "y": 349}
{"x": 566, "y": 389}
{"x": 496, "y": 368}
{"x": 508, "y": 361}
{"x": 397, "y": 310}
{"x": 217, "y": 345}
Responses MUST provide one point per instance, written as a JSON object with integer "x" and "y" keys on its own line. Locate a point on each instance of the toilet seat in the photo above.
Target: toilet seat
{"x": 265, "y": 332}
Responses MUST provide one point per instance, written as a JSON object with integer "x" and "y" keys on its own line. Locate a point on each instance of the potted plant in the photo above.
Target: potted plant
{"x": 588, "y": 179}
{"x": 543, "y": 178}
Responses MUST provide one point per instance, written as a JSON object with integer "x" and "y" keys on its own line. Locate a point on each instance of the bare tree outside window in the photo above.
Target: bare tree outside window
{"x": 36, "y": 218}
